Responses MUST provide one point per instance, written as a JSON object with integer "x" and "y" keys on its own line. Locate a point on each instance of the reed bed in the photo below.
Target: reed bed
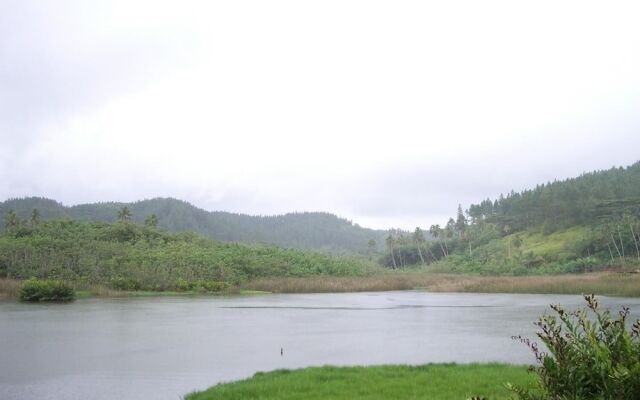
{"x": 608, "y": 284}
{"x": 601, "y": 283}
{"x": 323, "y": 284}
{"x": 9, "y": 288}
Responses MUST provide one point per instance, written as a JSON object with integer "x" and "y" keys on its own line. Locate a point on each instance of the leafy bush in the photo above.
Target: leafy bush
{"x": 120, "y": 283}
{"x": 46, "y": 290}
{"x": 591, "y": 355}
{"x": 183, "y": 285}
{"x": 210, "y": 286}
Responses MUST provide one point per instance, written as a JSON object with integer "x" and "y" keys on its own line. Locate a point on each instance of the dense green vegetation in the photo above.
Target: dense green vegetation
{"x": 583, "y": 224}
{"x": 587, "y": 357}
{"x": 563, "y": 204}
{"x": 127, "y": 256}
{"x": 35, "y": 290}
{"x": 316, "y": 231}
{"x": 434, "y": 381}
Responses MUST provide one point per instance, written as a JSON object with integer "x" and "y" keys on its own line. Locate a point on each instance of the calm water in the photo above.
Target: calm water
{"x": 162, "y": 348}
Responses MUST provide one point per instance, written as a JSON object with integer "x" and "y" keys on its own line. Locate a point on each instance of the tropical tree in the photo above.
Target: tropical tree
{"x": 506, "y": 229}
{"x": 608, "y": 229}
{"x": 391, "y": 242}
{"x": 371, "y": 246}
{"x": 631, "y": 221}
{"x": 461, "y": 222}
{"x": 418, "y": 240}
{"x": 449, "y": 229}
{"x": 124, "y": 214}
{"x": 436, "y": 232}
{"x": 34, "y": 217}
{"x": 151, "y": 221}
{"x": 11, "y": 220}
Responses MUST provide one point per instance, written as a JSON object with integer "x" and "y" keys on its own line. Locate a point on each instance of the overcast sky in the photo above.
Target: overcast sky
{"x": 389, "y": 113}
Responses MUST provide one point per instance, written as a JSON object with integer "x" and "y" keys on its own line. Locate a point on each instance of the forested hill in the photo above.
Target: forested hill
{"x": 129, "y": 256}
{"x": 586, "y": 199}
{"x": 308, "y": 230}
{"x": 571, "y": 225}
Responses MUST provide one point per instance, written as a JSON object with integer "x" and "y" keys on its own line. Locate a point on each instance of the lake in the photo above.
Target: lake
{"x": 163, "y": 348}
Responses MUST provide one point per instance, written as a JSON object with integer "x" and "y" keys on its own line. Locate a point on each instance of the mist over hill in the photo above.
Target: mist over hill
{"x": 305, "y": 230}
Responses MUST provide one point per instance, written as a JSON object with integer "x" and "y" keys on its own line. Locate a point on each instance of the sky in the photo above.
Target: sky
{"x": 388, "y": 113}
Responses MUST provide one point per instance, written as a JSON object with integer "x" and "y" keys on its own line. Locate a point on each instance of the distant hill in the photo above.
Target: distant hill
{"x": 586, "y": 199}
{"x": 573, "y": 225}
{"x": 307, "y": 230}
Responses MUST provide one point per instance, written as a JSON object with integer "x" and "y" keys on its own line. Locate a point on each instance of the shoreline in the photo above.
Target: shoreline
{"x": 600, "y": 283}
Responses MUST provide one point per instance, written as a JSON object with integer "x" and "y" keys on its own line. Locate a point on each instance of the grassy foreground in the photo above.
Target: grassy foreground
{"x": 431, "y": 381}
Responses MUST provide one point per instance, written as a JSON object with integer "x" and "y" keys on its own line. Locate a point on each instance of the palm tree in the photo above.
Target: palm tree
{"x": 372, "y": 248}
{"x": 436, "y": 232}
{"x": 418, "y": 239}
{"x": 124, "y": 214}
{"x": 34, "y": 218}
{"x": 151, "y": 221}
{"x": 631, "y": 221}
{"x": 11, "y": 220}
{"x": 390, "y": 241}
{"x": 507, "y": 229}
{"x": 448, "y": 232}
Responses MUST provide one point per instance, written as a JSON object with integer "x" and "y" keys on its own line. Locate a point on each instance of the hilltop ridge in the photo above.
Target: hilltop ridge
{"x": 304, "y": 230}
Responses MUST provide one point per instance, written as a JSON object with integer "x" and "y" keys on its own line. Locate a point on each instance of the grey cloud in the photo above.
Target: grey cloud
{"x": 51, "y": 65}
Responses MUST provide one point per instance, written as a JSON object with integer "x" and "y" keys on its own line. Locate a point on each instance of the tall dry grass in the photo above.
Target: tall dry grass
{"x": 98, "y": 290}
{"x": 379, "y": 282}
{"x": 609, "y": 284}
{"x": 9, "y": 288}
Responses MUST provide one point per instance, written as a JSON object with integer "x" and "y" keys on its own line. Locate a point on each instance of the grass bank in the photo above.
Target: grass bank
{"x": 10, "y": 289}
{"x": 431, "y": 381}
{"x": 607, "y": 284}
{"x": 604, "y": 284}
{"x": 332, "y": 284}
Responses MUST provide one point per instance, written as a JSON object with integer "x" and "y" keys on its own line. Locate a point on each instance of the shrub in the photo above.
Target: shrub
{"x": 120, "y": 283}
{"x": 46, "y": 290}
{"x": 591, "y": 355}
{"x": 211, "y": 286}
{"x": 183, "y": 285}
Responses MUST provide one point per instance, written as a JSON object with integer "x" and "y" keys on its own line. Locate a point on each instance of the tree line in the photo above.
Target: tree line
{"x": 132, "y": 256}
{"x": 308, "y": 230}
{"x": 606, "y": 203}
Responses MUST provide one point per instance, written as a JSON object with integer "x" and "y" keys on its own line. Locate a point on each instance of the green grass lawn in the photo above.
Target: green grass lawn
{"x": 556, "y": 245}
{"x": 431, "y": 381}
